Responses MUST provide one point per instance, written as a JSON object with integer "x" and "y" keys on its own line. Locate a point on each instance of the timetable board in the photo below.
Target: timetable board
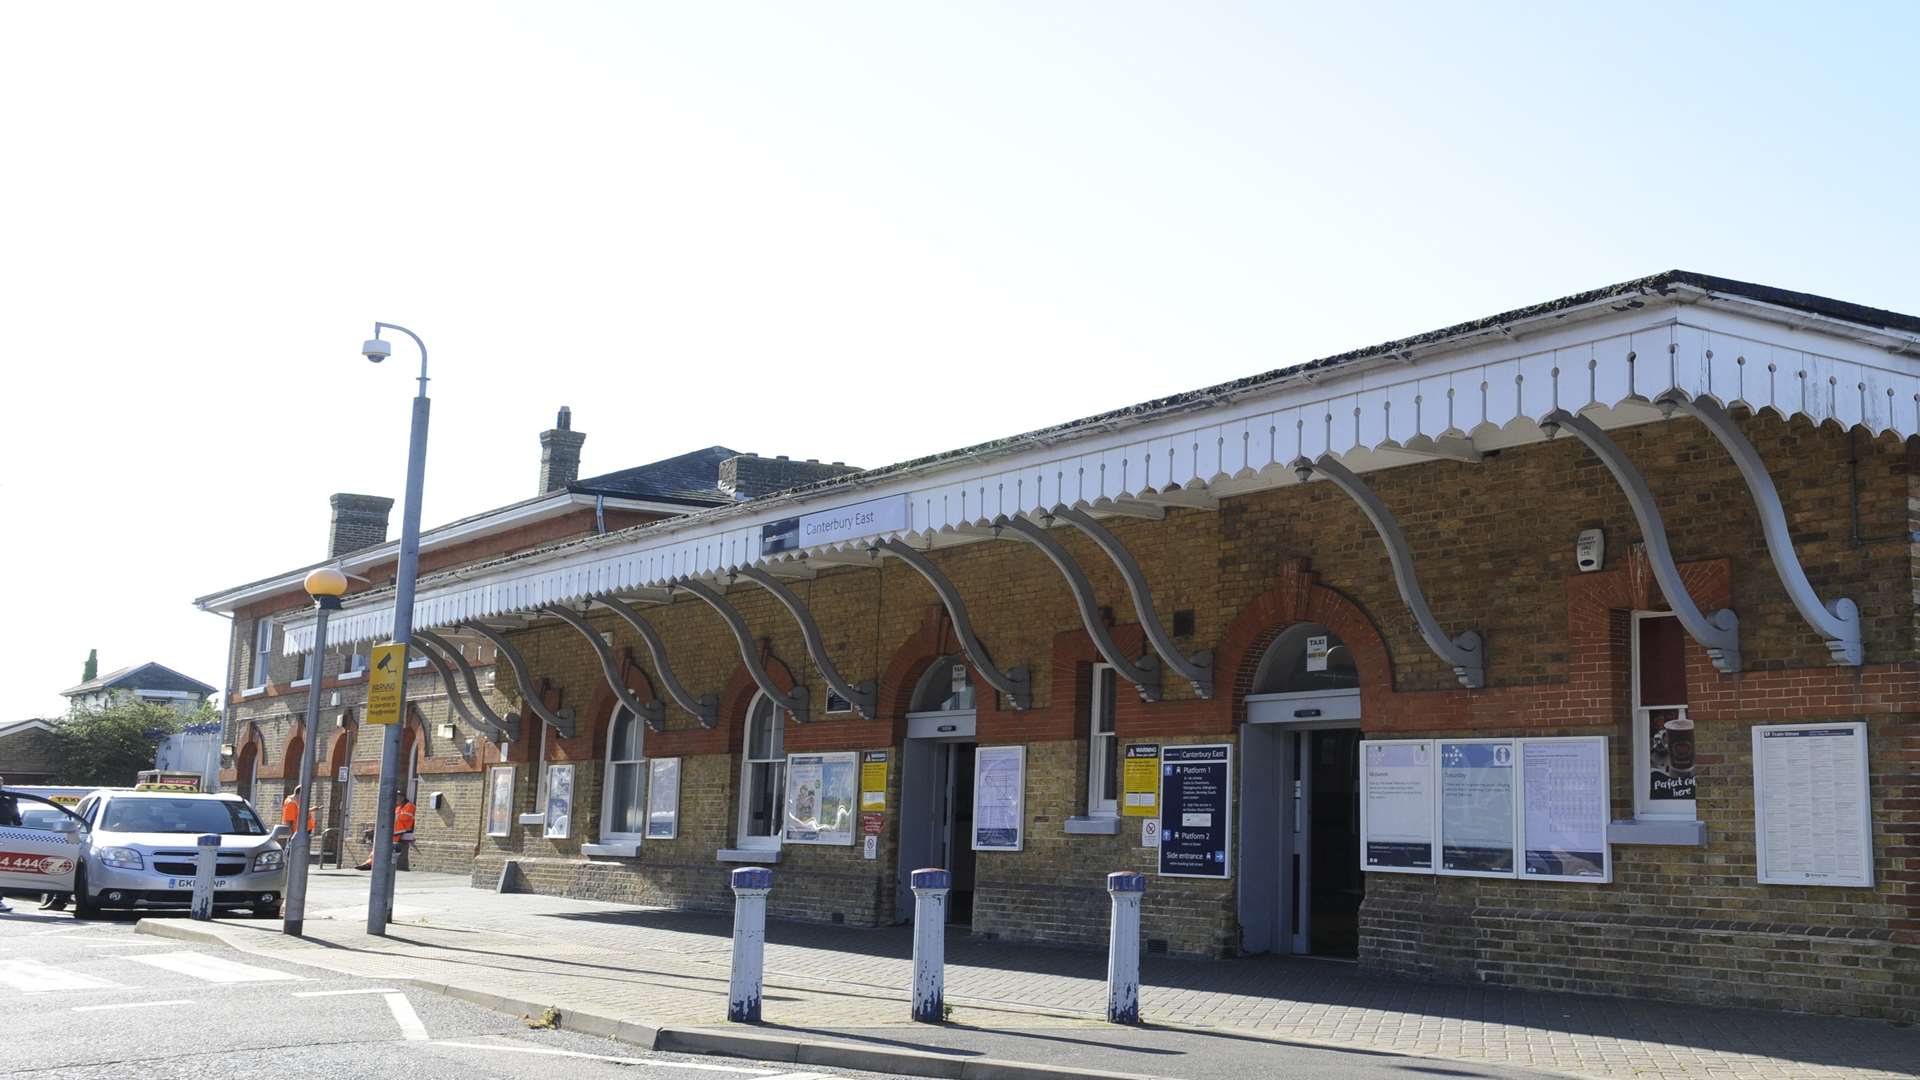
{"x": 1812, "y": 811}
{"x": 1564, "y": 810}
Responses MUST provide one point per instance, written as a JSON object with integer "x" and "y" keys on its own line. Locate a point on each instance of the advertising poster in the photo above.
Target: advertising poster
{"x": 821, "y": 794}
{"x": 1564, "y": 810}
{"x": 1670, "y": 757}
{"x": 1812, "y": 812}
{"x": 1477, "y": 817}
{"x": 663, "y": 798}
{"x": 873, "y": 780}
{"x": 559, "y": 808}
{"x": 500, "y": 800}
{"x": 1397, "y": 834}
{"x": 999, "y": 797}
{"x": 1140, "y": 781}
{"x": 1196, "y": 794}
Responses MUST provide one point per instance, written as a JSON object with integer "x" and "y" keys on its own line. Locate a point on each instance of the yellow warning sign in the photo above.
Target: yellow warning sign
{"x": 873, "y": 780}
{"x": 386, "y": 671}
{"x": 1140, "y": 781}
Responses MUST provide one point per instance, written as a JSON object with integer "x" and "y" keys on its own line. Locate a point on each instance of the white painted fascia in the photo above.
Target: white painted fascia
{"x": 482, "y": 525}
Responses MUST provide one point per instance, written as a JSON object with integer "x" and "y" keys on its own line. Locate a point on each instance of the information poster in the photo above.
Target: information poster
{"x": 999, "y": 797}
{"x": 873, "y": 780}
{"x": 1396, "y": 806}
{"x": 1565, "y": 807}
{"x": 1196, "y": 796}
{"x": 663, "y": 798}
{"x": 1477, "y": 817}
{"x": 1812, "y": 813}
{"x": 821, "y": 789}
{"x": 559, "y": 808}
{"x": 500, "y": 800}
{"x": 1140, "y": 781}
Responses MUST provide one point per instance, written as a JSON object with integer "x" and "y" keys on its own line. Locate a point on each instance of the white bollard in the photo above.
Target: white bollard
{"x": 930, "y": 943}
{"x": 203, "y": 867}
{"x": 1123, "y": 947}
{"x": 751, "y": 884}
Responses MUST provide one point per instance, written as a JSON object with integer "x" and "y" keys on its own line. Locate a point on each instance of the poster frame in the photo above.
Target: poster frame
{"x": 1226, "y": 825}
{"x": 653, "y": 787}
{"x": 493, "y": 800}
{"x": 1606, "y": 814}
{"x": 556, "y": 773}
{"x": 1018, "y": 752}
{"x": 1761, "y": 873}
{"x": 850, "y": 759}
{"x": 1433, "y": 809}
{"x": 1440, "y": 806}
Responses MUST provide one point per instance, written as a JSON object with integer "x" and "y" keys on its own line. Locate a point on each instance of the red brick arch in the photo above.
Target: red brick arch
{"x": 600, "y": 711}
{"x": 1296, "y": 597}
{"x": 737, "y": 698}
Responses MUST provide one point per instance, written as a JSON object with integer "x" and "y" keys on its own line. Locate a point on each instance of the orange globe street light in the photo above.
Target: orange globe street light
{"x": 326, "y": 585}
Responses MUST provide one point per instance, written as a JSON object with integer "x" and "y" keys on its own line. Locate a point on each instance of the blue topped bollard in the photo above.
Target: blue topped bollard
{"x": 930, "y": 888}
{"x": 1123, "y": 947}
{"x": 751, "y": 884}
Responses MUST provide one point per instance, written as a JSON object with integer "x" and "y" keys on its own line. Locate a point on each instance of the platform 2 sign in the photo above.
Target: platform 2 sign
{"x": 1196, "y": 799}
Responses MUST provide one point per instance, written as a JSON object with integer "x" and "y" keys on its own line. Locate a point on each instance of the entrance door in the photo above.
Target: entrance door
{"x": 936, "y": 787}
{"x": 1332, "y": 884}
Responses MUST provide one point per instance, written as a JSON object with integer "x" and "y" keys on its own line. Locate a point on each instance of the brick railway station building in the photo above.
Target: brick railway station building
{"x": 1635, "y": 571}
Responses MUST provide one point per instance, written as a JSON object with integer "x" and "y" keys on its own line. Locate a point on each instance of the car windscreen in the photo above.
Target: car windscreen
{"x": 181, "y": 816}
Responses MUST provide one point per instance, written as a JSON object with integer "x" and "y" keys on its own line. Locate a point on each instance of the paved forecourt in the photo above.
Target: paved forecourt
{"x": 98, "y": 999}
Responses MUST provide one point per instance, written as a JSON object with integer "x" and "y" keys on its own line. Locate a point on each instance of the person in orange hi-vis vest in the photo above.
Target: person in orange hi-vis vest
{"x": 403, "y": 815}
{"x": 290, "y": 812}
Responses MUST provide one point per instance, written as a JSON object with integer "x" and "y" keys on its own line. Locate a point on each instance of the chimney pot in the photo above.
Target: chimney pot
{"x": 560, "y": 453}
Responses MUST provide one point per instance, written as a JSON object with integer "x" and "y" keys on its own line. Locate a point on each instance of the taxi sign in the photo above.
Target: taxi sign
{"x": 161, "y": 780}
{"x": 386, "y": 671}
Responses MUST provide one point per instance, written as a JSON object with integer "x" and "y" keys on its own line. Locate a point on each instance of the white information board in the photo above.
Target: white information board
{"x": 999, "y": 797}
{"x": 1397, "y": 793}
{"x": 1479, "y": 823}
{"x": 1812, "y": 810}
{"x": 1564, "y": 809}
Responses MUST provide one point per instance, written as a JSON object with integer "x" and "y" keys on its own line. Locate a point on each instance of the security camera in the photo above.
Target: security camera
{"x": 376, "y": 350}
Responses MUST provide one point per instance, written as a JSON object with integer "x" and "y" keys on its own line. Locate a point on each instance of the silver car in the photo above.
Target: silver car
{"x": 136, "y": 849}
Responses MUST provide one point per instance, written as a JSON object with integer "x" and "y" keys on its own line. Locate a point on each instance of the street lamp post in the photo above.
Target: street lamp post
{"x": 380, "y": 892}
{"x": 326, "y": 585}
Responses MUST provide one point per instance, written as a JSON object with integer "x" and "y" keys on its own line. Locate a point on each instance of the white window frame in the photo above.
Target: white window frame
{"x": 743, "y": 839}
{"x": 307, "y": 666}
{"x": 1644, "y": 807}
{"x": 539, "y": 814}
{"x": 1101, "y": 746}
{"x": 607, "y": 832}
{"x": 262, "y": 652}
{"x": 356, "y": 666}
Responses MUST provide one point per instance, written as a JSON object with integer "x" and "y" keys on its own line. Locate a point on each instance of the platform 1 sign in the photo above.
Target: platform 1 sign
{"x": 1196, "y": 797}
{"x": 386, "y": 673}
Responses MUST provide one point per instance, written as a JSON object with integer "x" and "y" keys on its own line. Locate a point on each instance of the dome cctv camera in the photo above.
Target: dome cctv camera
{"x": 376, "y": 350}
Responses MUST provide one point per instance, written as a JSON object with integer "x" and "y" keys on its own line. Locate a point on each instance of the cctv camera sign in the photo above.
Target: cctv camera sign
{"x": 386, "y": 674}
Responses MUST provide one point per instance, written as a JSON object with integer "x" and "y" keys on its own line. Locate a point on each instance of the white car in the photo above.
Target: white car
{"x": 136, "y": 849}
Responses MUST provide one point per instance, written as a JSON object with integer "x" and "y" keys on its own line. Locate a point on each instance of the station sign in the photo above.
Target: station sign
{"x": 1196, "y": 796}
{"x": 842, "y": 523}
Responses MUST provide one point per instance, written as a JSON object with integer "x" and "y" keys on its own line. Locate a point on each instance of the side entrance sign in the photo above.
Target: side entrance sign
{"x": 386, "y": 670}
{"x": 1196, "y": 797}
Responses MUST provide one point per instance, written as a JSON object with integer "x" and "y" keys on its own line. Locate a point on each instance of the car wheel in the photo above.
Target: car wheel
{"x": 84, "y": 906}
{"x": 267, "y": 911}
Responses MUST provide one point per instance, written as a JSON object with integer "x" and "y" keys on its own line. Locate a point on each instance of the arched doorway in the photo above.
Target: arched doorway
{"x": 245, "y": 769}
{"x": 338, "y": 784}
{"x": 936, "y": 785}
{"x": 1301, "y": 884}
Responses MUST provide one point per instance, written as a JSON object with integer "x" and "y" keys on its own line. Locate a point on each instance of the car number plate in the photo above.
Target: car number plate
{"x": 187, "y": 883}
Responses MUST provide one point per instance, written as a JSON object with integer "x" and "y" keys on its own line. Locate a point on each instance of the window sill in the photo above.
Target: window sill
{"x": 618, "y": 849}
{"x": 351, "y": 676}
{"x": 301, "y": 684}
{"x": 1667, "y": 832}
{"x": 748, "y": 855}
{"x": 252, "y": 692}
{"x": 533, "y": 819}
{"x": 1101, "y": 825}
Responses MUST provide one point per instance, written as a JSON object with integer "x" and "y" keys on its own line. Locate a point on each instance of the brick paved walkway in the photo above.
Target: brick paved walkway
{"x": 671, "y": 968}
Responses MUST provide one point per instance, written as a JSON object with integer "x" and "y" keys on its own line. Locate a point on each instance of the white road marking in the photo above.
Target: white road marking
{"x": 408, "y": 1020}
{"x": 213, "y": 968}
{"x": 694, "y": 1065}
{"x": 131, "y": 1005}
{"x": 339, "y": 993}
{"x": 50, "y": 933}
{"x": 119, "y": 944}
{"x": 33, "y": 977}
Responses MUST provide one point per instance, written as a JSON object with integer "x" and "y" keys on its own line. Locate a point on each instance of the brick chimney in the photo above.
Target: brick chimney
{"x": 560, "y": 453}
{"x": 750, "y": 476}
{"x": 359, "y": 521}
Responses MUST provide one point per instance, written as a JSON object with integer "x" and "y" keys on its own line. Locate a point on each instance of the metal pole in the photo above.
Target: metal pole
{"x": 380, "y": 891}
{"x": 302, "y": 843}
{"x": 750, "y": 887}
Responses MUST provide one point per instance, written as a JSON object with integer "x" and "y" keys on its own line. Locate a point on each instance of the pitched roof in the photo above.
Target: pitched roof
{"x": 692, "y": 478}
{"x": 147, "y": 676}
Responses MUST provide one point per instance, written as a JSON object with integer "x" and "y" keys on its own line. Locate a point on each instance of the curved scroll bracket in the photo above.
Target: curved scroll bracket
{"x": 861, "y": 696}
{"x": 502, "y": 730}
{"x": 1465, "y": 653}
{"x": 1014, "y": 682}
{"x": 795, "y": 701}
{"x": 561, "y": 720}
{"x": 1719, "y": 633}
{"x": 706, "y": 709}
{"x": 1197, "y": 669}
{"x": 491, "y": 727}
{"x": 1839, "y": 621}
{"x": 654, "y": 713}
{"x": 1144, "y": 673}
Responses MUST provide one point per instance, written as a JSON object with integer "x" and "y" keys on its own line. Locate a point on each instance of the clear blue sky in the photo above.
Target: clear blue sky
{"x": 846, "y": 231}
